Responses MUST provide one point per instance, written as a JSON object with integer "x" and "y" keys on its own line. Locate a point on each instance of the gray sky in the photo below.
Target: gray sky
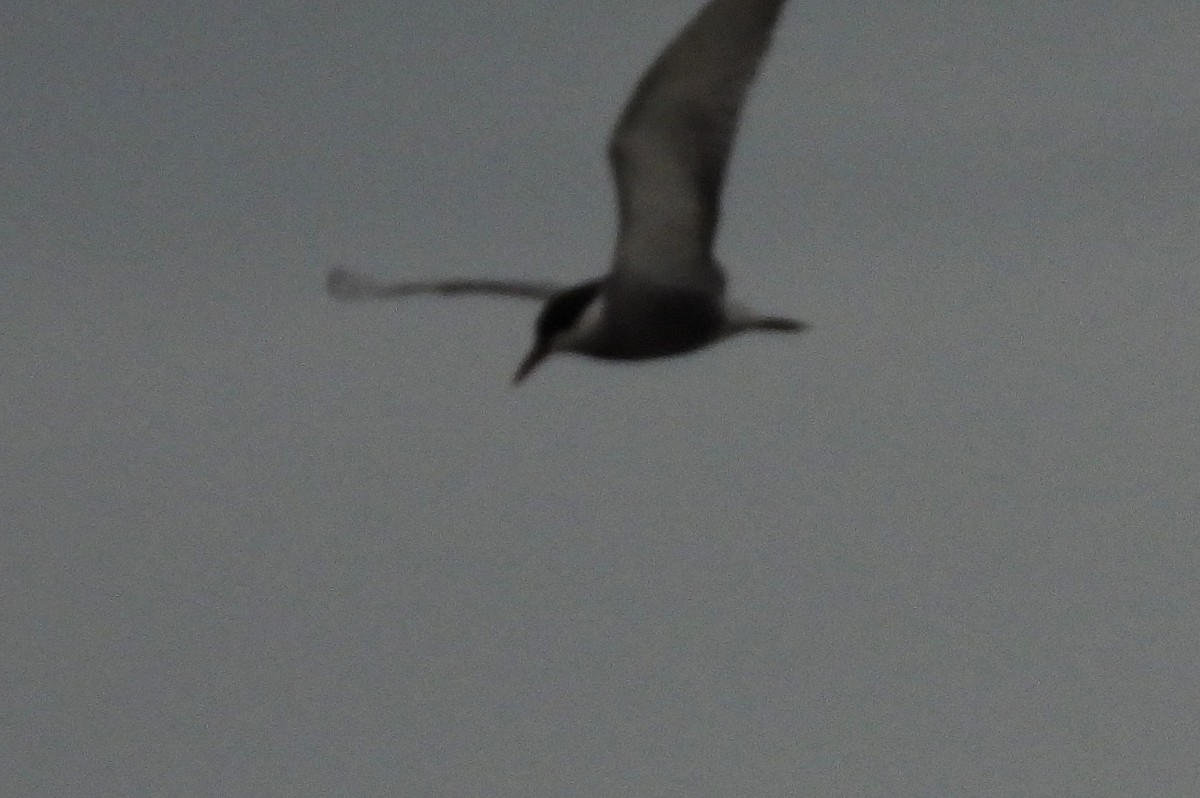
{"x": 261, "y": 544}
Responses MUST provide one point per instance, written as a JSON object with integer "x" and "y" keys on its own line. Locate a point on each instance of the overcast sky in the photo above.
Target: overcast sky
{"x": 259, "y": 543}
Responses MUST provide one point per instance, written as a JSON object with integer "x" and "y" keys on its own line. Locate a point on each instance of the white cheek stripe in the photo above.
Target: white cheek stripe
{"x": 592, "y": 316}
{"x": 586, "y": 326}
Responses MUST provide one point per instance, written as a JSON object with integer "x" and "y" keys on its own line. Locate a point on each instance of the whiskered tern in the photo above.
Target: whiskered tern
{"x": 665, "y": 292}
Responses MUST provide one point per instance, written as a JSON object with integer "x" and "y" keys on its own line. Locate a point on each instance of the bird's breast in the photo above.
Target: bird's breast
{"x": 646, "y": 322}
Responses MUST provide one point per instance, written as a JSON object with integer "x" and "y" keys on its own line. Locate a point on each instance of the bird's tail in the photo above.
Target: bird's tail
{"x": 740, "y": 320}
{"x": 774, "y": 324}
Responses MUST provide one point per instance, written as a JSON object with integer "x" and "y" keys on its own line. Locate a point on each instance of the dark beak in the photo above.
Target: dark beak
{"x": 535, "y": 356}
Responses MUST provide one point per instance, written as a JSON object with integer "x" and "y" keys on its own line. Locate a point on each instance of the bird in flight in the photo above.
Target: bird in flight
{"x": 665, "y": 292}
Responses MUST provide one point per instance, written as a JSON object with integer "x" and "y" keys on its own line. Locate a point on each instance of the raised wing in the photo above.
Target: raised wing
{"x": 343, "y": 284}
{"x": 671, "y": 144}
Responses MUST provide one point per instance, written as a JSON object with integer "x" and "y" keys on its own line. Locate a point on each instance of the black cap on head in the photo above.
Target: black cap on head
{"x": 563, "y": 310}
{"x": 560, "y": 313}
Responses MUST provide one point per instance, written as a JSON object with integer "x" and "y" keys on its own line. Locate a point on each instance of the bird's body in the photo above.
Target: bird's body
{"x": 665, "y": 293}
{"x": 622, "y": 323}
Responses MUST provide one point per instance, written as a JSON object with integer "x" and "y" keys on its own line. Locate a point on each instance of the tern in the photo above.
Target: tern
{"x": 665, "y": 292}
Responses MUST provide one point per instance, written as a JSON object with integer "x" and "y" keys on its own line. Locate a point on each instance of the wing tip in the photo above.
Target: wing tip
{"x": 346, "y": 285}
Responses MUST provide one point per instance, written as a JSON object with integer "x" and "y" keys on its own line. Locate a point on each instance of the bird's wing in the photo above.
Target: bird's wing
{"x": 671, "y": 143}
{"x": 343, "y": 284}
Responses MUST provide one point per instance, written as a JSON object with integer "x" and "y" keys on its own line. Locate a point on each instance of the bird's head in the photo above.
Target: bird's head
{"x": 567, "y": 321}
